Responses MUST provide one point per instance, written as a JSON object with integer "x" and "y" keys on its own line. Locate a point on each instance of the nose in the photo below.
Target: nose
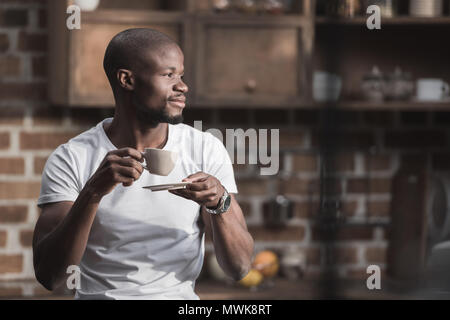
{"x": 181, "y": 86}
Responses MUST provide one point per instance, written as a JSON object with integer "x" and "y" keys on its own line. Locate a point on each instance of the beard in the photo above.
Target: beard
{"x": 149, "y": 117}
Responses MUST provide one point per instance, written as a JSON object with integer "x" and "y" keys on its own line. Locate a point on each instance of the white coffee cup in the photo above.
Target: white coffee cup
{"x": 160, "y": 162}
{"x": 326, "y": 86}
{"x": 432, "y": 89}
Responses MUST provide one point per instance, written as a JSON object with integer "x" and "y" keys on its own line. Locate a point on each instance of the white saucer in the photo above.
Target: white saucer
{"x": 168, "y": 186}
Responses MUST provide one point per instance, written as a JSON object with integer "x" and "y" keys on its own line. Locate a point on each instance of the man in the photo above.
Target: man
{"x": 129, "y": 242}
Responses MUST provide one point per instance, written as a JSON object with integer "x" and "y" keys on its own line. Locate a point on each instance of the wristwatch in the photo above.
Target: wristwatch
{"x": 223, "y": 206}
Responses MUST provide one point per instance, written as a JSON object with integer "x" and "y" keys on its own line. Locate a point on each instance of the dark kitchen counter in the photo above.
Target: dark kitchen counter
{"x": 278, "y": 289}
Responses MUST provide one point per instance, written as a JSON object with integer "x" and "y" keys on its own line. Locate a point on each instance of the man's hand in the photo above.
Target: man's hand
{"x": 119, "y": 166}
{"x": 204, "y": 189}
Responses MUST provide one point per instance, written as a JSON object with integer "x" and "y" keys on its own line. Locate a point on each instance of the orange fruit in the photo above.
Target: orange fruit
{"x": 252, "y": 279}
{"x": 267, "y": 263}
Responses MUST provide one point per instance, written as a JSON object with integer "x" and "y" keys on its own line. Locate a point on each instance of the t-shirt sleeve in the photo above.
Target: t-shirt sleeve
{"x": 218, "y": 163}
{"x": 59, "y": 178}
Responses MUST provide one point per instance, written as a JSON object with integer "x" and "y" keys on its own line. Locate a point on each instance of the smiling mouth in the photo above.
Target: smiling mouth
{"x": 178, "y": 102}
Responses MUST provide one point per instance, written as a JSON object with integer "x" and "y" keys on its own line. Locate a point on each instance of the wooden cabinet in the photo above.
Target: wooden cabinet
{"x": 255, "y": 60}
{"x": 76, "y": 71}
{"x": 259, "y": 62}
{"x": 230, "y": 59}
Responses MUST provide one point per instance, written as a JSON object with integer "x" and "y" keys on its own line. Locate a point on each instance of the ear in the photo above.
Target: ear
{"x": 125, "y": 79}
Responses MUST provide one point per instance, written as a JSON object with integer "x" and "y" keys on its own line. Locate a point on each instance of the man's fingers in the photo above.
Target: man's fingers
{"x": 198, "y": 196}
{"x": 177, "y": 193}
{"x": 130, "y": 162}
{"x": 128, "y": 172}
{"x": 131, "y": 152}
{"x": 199, "y": 176}
{"x": 197, "y": 186}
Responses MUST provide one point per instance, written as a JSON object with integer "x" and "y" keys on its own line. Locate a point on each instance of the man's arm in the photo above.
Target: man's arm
{"x": 233, "y": 244}
{"x": 60, "y": 237}
{"x": 62, "y": 230}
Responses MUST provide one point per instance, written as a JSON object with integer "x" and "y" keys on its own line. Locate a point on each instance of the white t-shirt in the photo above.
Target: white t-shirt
{"x": 142, "y": 244}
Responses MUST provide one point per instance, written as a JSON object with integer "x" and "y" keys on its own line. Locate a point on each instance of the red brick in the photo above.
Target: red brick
{"x": 10, "y": 66}
{"x": 12, "y": 166}
{"x": 36, "y": 42}
{"x": 4, "y": 140}
{"x": 4, "y": 42}
{"x": 313, "y": 256}
{"x": 26, "y": 238}
{"x": 418, "y": 139}
{"x": 363, "y": 185}
{"x": 3, "y": 235}
{"x": 290, "y": 138}
{"x": 39, "y": 163}
{"x": 378, "y": 162}
{"x": 19, "y": 190}
{"x": 344, "y": 161}
{"x": 13, "y": 214}
{"x": 378, "y": 208}
{"x": 299, "y": 186}
{"x": 306, "y": 210}
{"x": 291, "y": 233}
{"x": 252, "y": 186}
{"x": 43, "y": 140}
{"x": 349, "y": 208}
{"x": 11, "y": 263}
{"x": 47, "y": 116}
{"x": 344, "y": 255}
{"x": 39, "y": 66}
{"x": 375, "y": 255}
{"x": 23, "y": 91}
{"x": 11, "y": 116}
{"x": 305, "y": 162}
{"x": 13, "y": 18}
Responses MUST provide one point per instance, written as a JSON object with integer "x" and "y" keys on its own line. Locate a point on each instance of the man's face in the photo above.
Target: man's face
{"x": 159, "y": 88}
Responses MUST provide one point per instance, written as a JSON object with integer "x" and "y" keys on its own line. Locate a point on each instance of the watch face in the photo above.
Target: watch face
{"x": 227, "y": 202}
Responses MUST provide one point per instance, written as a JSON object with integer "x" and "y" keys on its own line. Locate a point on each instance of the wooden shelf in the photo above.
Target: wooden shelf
{"x": 401, "y": 20}
{"x": 387, "y": 106}
{"x": 133, "y": 16}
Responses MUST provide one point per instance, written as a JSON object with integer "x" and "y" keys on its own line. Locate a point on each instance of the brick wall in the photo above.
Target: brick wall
{"x": 372, "y": 146}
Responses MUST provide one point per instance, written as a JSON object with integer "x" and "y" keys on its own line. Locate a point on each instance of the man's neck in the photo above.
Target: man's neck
{"x": 128, "y": 132}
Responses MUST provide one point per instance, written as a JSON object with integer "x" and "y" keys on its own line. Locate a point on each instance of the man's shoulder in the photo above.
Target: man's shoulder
{"x": 82, "y": 143}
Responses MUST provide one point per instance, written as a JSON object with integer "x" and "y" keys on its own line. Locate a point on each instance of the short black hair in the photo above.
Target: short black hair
{"x": 125, "y": 47}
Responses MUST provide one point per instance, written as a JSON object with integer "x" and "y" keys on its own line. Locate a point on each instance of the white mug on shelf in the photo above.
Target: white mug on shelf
{"x": 326, "y": 86}
{"x": 432, "y": 90}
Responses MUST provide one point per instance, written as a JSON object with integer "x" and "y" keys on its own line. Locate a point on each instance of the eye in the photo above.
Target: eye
{"x": 170, "y": 75}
